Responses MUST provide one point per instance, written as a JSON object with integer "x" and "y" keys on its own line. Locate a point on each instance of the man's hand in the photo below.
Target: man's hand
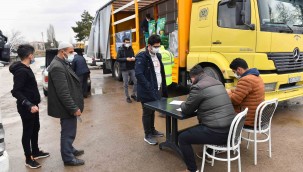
{"x": 133, "y": 59}
{"x": 34, "y": 109}
{"x": 228, "y": 91}
{"x": 129, "y": 59}
{"x": 77, "y": 113}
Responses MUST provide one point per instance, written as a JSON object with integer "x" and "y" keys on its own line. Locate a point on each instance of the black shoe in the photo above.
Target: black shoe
{"x": 150, "y": 140}
{"x": 128, "y": 100}
{"x": 75, "y": 162}
{"x": 40, "y": 155}
{"x": 156, "y": 133}
{"x": 31, "y": 163}
{"x": 78, "y": 152}
{"x": 134, "y": 97}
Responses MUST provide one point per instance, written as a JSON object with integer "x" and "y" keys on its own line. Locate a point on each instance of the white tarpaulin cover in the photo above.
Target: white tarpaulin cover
{"x": 98, "y": 43}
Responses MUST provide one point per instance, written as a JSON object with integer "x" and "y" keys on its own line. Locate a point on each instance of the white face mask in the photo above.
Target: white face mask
{"x": 70, "y": 57}
{"x": 155, "y": 50}
{"x": 237, "y": 76}
{"x": 127, "y": 45}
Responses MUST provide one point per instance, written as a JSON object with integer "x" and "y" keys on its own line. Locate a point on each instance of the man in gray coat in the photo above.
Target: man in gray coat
{"x": 209, "y": 99}
{"x": 65, "y": 101}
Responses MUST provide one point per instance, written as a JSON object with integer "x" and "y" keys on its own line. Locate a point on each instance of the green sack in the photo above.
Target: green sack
{"x": 161, "y": 26}
{"x": 152, "y": 27}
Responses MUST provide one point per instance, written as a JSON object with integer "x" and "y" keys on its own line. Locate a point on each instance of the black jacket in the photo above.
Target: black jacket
{"x": 25, "y": 88}
{"x": 64, "y": 90}
{"x": 147, "y": 86}
{"x": 79, "y": 65}
{"x": 214, "y": 108}
{"x": 123, "y": 53}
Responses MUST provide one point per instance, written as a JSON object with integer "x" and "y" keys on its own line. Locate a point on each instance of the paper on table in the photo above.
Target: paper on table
{"x": 176, "y": 102}
{"x": 179, "y": 109}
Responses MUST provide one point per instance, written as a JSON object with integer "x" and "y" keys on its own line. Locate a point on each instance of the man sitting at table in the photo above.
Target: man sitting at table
{"x": 215, "y": 113}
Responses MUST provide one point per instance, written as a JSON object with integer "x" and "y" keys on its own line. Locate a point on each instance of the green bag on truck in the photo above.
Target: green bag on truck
{"x": 152, "y": 27}
{"x": 161, "y": 26}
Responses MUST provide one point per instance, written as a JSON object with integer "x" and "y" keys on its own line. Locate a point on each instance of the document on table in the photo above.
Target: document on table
{"x": 176, "y": 102}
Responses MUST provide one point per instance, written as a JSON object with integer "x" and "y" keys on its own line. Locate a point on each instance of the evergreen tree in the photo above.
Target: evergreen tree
{"x": 83, "y": 27}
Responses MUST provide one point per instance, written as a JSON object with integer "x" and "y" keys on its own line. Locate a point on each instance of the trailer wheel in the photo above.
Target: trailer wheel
{"x": 117, "y": 72}
{"x": 213, "y": 72}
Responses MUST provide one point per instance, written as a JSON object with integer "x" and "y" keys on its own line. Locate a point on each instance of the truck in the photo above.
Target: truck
{"x": 211, "y": 33}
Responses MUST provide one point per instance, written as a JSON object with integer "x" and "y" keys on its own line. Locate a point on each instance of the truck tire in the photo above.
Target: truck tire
{"x": 213, "y": 72}
{"x": 117, "y": 72}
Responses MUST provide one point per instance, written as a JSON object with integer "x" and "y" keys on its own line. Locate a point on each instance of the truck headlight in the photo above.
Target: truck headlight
{"x": 270, "y": 87}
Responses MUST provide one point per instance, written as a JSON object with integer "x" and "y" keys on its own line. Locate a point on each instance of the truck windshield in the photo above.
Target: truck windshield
{"x": 281, "y": 16}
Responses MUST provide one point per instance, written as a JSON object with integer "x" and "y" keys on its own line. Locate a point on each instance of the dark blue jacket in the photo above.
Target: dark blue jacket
{"x": 147, "y": 86}
{"x": 79, "y": 65}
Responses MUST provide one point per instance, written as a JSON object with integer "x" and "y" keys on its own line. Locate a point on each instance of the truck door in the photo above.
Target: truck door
{"x": 229, "y": 36}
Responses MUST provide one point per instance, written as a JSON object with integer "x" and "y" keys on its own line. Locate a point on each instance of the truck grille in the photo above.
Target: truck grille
{"x": 285, "y": 62}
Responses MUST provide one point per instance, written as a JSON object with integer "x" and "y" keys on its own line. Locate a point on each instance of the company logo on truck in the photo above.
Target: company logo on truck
{"x": 296, "y": 53}
{"x": 203, "y": 14}
{"x": 297, "y": 37}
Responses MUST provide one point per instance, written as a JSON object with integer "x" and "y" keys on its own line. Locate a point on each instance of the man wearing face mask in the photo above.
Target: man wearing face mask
{"x": 151, "y": 84}
{"x": 65, "y": 101}
{"x": 126, "y": 60}
{"x": 26, "y": 92}
{"x": 249, "y": 91}
{"x": 209, "y": 99}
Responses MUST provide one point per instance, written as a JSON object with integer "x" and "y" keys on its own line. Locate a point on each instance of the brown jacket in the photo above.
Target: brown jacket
{"x": 249, "y": 93}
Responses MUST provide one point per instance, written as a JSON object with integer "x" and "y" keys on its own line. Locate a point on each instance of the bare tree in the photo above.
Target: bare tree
{"x": 51, "y": 37}
{"x": 15, "y": 39}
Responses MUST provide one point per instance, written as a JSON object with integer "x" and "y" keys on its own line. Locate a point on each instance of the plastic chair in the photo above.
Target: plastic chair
{"x": 233, "y": 143}
{"x": 262, "y": 125}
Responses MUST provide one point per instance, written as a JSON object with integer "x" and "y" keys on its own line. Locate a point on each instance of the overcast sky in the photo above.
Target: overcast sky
{"x": 32, "y": 17}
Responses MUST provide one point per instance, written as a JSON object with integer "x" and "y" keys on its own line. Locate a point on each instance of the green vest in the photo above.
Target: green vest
{"x": 168, "y": 62}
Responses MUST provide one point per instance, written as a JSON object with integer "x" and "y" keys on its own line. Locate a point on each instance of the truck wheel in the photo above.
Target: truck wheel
{"x": 45, "y": 92}
{"x": 117, "y": 72}
{"x": 213, "y": 72}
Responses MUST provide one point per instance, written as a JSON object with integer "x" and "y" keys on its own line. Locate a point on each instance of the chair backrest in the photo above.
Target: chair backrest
{"x": 264, "y": 114}
{"x": 234, "y": 136}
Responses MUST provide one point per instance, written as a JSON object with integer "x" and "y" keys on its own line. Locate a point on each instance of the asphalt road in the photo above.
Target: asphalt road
{"x": 112, "y": 136}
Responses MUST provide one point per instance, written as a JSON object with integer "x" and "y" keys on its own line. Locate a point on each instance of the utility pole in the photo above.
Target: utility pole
{"x": 43, "y": 41}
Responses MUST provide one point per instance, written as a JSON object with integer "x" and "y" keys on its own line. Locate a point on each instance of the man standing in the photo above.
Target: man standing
{"x": 65, "y": 101}
{"x": 81, "y": 69}
{"x": 28, "y": 97}
{"x": 209, "y": 99}
{"x": 151, "y": 84}
{"x": 126, "y": 60}
{"x": 249, "y": 91}
{"x": 144, "y": 24}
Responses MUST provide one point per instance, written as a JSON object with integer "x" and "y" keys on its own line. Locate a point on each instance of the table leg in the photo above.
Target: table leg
{"x": 171, "y": 136}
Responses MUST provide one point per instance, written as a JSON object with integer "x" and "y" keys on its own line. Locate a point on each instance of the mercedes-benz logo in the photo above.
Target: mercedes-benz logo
{"x": 296, "y": 54}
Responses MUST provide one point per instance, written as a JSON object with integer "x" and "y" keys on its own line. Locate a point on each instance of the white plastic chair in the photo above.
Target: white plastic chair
{"x": 262, "y": 125}
{"x": 233, "y": 143}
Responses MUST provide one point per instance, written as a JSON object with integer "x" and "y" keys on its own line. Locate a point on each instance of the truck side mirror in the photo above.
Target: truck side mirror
{"x": 240, "y": 14}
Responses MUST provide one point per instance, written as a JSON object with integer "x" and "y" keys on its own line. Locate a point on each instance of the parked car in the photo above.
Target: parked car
{"x": 4, "y": 160}
{"x": 88, "y": 60}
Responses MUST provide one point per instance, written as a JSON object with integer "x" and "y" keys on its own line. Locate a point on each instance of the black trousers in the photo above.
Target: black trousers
{"x": 31, "y": 127}
{"x": 68, "y": 135}
{"x": 198, "y": 135}
{"x": 83, "y": 80}
{"x": 148, "y": 120}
